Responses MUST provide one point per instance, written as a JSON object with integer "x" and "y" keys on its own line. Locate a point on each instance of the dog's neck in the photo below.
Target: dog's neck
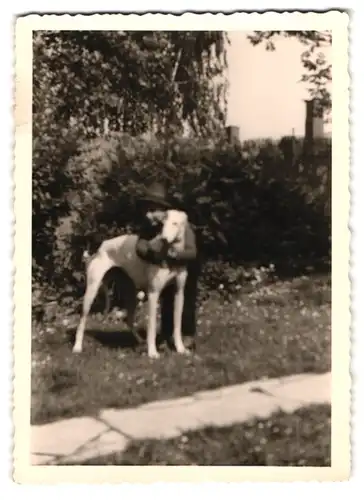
{"x": 179, "y": 242}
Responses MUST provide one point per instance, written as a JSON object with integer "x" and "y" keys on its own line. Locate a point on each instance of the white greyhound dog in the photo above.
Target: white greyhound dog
{"x": 151, "y": 278}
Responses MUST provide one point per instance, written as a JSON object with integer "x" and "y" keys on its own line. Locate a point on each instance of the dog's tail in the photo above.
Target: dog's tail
{"x": 87, "y": 257}
{"x": 93, "y": 243}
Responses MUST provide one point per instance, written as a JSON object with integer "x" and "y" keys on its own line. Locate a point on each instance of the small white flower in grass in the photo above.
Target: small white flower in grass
{"x": 65, "y": 322}
{"x": 238, "y": 303}
{"x": 184, "y": 439}
{"x": 119, "y": 314}
{"x": 221, "y": 286}
{"x": 140, "y": 296}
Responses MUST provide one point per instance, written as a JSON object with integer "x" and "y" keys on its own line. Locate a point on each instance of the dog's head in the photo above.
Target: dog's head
{"x": 174, "y": 226}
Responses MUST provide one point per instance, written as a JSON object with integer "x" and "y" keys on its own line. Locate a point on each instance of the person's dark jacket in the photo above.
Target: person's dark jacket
{"x": 189, "y": 257}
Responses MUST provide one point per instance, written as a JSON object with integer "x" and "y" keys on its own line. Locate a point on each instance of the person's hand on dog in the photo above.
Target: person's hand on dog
{"x": 172, "y": 253}
{"x": 158, "y": 247}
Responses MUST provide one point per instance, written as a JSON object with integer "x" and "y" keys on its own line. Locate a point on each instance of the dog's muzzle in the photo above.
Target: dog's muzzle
{"x": 165, "y": 243}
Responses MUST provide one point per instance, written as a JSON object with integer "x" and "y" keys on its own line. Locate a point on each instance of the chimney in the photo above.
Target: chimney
{"x": 233, "y": 134}
{"x": 314, "y": 127}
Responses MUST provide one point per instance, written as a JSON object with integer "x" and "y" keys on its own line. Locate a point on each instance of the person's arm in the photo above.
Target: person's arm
{"x": 153, "y": 251}
{"x": 189, "y": 253}
{"x": 143, "y": 250}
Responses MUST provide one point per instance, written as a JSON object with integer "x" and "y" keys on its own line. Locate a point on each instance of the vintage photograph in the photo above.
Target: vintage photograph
{"x": 181, "y": 246}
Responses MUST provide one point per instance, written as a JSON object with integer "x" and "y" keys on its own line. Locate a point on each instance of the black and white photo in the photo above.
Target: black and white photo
{"x": 184, "y": 190}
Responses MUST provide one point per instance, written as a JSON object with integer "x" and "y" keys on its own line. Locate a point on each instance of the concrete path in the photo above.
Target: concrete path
{"x": 77, "y": 439}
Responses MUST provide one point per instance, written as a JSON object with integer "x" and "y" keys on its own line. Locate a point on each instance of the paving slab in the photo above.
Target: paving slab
{"x": 306, "y": 390}
{"x": 77, "y": 439}
{"x": 167, "y": 403}
{"x": 133, "y": 424}
{"x": 263, "y": 385}
{"x": 106, "y": 443}
{"x": 233, "y": 410}
{"x": 297, "y": 377}
{"x": 288, "y": 405}
{"x": 63, "y": 438}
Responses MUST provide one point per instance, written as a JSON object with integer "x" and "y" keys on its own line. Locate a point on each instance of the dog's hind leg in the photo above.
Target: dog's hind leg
{"x": 130, "y": 305}
{"x": 178, "y": 312}
{"x": 95, "y": 272}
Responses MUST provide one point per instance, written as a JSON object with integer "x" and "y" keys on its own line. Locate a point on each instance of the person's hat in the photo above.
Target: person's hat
{"x": 156, "y": 195}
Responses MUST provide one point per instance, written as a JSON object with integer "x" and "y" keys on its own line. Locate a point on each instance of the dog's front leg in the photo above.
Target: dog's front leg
{"x": 152, "y": 324}
{"x": 177, "y": 314}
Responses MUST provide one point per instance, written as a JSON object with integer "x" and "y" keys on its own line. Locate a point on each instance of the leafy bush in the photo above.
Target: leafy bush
{"x": 49, "y": 184}
{"x": 256, "y": 204}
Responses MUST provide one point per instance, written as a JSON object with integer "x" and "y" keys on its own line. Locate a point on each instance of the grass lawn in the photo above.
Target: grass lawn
{"x": 299, "y": 439}
{"x": 276, "y": 330}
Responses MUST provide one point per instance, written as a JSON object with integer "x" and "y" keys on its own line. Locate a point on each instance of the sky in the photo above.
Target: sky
{"x": 265, "y": 96}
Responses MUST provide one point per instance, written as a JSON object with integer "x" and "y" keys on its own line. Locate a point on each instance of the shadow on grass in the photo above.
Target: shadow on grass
{"x": 115, "y": 338}
{"x": 111, "y": 336}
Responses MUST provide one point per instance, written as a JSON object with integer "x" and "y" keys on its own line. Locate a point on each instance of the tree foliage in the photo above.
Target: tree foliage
{"x": 137, "y": 81}
{"x": 87, "y": 84}
{"x": 316, "y": 67}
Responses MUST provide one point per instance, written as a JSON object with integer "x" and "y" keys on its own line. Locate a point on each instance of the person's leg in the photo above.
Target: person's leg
{"x": 190, "y": 305}
{"x": 167, "y": 304}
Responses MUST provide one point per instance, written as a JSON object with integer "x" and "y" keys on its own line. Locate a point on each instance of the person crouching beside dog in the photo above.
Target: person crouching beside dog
{"x": 154, "y": 205}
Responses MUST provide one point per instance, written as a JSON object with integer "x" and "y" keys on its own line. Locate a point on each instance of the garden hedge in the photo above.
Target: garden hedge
{"x": 261, "y": 203}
